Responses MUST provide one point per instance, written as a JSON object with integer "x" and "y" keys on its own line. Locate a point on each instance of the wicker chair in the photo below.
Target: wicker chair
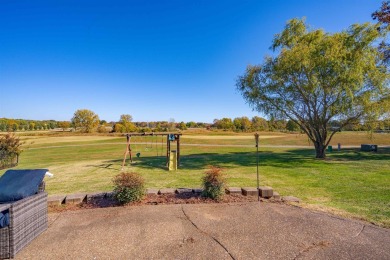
{"x": 28, "y": 219}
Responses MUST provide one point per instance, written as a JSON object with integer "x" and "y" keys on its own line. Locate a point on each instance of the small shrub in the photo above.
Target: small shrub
{"x": 10, "y": 149}
{"x": 213, "y": 183}
{"x": 128, "y": 187}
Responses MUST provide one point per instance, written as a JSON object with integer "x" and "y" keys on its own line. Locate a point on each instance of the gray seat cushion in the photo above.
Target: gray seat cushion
{"x": 4, "y": 220}
{"x": 19, "y": 184}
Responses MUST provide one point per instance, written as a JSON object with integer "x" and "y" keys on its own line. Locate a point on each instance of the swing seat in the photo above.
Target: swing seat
{"x": 138, "y": 154}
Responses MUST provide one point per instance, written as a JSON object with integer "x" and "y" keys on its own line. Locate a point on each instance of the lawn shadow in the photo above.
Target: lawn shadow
{"x": 226, "y": 160}
{"x": 354, "y": 154}
{"x": 291, "y": 158}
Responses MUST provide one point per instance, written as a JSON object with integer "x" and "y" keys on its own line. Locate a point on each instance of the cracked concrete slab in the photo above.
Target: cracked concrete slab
{"x": 207, "y": 231}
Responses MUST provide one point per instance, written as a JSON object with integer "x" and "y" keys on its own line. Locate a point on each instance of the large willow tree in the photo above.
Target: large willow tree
{"x": 315, "y": 77}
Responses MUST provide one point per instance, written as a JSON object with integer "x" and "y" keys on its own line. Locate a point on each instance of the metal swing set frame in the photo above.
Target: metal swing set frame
{"x": 170, "y": 137}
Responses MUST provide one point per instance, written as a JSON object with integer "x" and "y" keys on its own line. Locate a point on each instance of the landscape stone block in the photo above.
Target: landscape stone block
{"x": 55, "y": 200}
{"x": 96, "y": 195}
{"x": 110, "y": 194}
{"x": 183, "y": 190}
{"x": 266, "y": 192}
{"x": 197, "y": 190}
{"x": 291, "y": 199}
{"x": 249, "y": 191}
{"x": 75, "y": 198}
{"x": 151, "y": 191}
{"x": 167, "y": 191}
{"x": 276, "y": 196}
{"x": 233, "y": 190}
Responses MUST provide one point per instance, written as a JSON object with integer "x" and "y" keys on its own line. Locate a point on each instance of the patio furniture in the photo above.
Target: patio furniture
{"x": 27, "y": 219}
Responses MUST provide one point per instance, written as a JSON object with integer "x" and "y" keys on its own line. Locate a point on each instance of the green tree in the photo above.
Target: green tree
{"x": 259, "y": 124}
{"x": 224, "y": 123}
{"x": 125, "y": 121}
{"x": 316, "y": 77}
{"x": 119, "y": 128}
{"x": 10, "y": 149}
{"x": 191, "y": 124}
{"x": 242, "y": 124}
{"x": 32, "y": 126}
{"x": 63, "y": 124}
{"x": 182, "y": 126}
{"x": 237, "y": 124}
{"x": 292, "y": 126}
{"x": 86, "y": 120}
{"x": 383, "y": 17}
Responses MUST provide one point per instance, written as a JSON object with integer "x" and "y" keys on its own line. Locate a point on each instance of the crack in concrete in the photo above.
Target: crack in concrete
{"x": 361, "y": 230}
{"x": 314, "y": 245}
{"x": 203, "y": 232}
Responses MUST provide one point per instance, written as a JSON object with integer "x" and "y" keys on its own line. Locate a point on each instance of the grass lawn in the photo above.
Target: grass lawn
{"x": 349, "y": 183}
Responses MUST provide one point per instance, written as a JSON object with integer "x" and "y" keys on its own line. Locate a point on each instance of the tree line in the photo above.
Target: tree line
{"x": 13, "y": 125}
{"x": 87, "y": 121}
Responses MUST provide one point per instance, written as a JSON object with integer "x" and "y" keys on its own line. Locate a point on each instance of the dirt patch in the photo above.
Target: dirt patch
{"x": 184, "y": 198}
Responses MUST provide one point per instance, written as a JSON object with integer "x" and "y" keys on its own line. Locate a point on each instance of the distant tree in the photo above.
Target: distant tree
{"x": 259, "y": 124}
{"x": 317, "y": 77}
{"x": 237, "y": 124}
{"x": 125, "y": 121}
{"x": 32, "y": 126}
{"x": 21, "y": 124}
{"x": 277, "y": 124}
{"x": 224, "y": 123}
{"x": 246, "y": 124}
{"x": 52, "y": 124}
{"x": 3, "y": 124}
{"x": 103, "y": 129}
{"x": 201, "y": 124}
{"x": 126, "y": 118}
{"x": 191, "y": 124}
{"x": 292, "y": 126}
{"x": 14, "y": 127}
{"x": 119, "y": 128}
{"x": 86, "y": 120}
{"x": 242, "y": 124}
{"x": 38, "y": 125}
{"x": 182, "y": 126}
{"x": 64, "y": 125}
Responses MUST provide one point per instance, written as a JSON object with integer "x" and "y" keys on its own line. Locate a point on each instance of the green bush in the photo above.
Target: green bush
{"x": 128, "y": 187}
{"x": 213, "y": 183}
{"x": 10, "y": 149}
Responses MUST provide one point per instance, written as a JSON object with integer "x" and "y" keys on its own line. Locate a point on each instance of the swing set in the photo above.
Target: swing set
{"x": 170, "y": 137}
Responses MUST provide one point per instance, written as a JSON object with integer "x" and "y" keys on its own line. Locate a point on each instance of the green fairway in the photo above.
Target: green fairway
{"x": 349, "y": 183}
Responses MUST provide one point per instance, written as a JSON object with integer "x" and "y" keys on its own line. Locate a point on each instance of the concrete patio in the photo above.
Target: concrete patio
{"x": 207, "y": 231}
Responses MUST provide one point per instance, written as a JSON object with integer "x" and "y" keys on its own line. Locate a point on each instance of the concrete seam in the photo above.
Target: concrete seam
{"x": 55, "y": 220}
{"x": 203, "y": 232}
{"x": 361, "y": 230}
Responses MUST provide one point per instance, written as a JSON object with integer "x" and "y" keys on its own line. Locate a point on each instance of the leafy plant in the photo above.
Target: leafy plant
{"x": 10, "y": 148}
{"x": 128, "y": 187}
{"x": 213, "y": 183}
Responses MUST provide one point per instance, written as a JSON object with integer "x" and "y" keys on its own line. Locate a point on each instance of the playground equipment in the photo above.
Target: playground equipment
{"x": 172, "y": 161}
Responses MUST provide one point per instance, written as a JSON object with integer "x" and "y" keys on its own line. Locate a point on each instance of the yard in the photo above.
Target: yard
{"x": 348, "y": 183}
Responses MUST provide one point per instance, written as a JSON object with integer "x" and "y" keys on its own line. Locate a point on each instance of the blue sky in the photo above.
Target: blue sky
{"x": 155, "y": 60}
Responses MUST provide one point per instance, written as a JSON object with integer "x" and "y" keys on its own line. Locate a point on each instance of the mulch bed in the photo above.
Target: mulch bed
{"x": 151, "y": 199}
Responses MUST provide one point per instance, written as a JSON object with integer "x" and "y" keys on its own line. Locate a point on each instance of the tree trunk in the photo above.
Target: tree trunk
{"x": 320, "y": 150}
